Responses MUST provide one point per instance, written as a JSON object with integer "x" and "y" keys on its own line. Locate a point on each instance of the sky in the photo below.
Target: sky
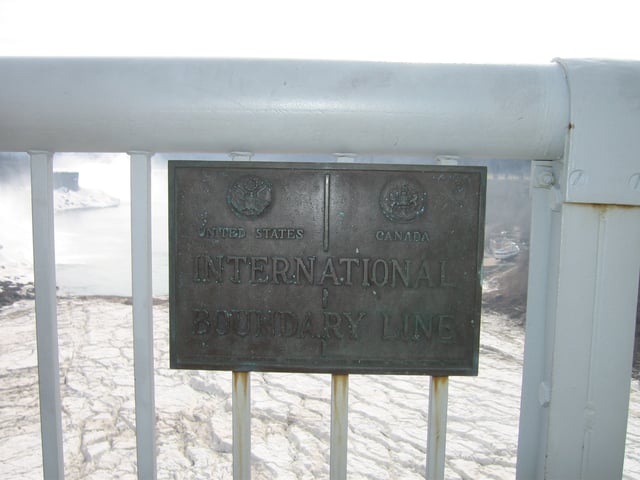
{"x": 487, "y": 31}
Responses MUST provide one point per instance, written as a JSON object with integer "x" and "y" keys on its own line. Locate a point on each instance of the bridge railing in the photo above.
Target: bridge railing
{"x": 578, "y": 121}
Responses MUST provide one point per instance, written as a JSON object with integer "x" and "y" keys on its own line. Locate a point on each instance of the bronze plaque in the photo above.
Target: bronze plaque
{"x": 342, "y": 268}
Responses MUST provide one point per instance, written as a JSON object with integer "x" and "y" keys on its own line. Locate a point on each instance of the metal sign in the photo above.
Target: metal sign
{"x": 345, "y": 268}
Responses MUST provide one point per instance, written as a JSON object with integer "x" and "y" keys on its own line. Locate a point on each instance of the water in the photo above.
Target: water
{"x": 93, "y": 252}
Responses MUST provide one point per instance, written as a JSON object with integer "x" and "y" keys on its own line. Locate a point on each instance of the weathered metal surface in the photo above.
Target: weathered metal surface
{"x": 437, "y": 434}
{"x": 340, "y": 268}
{"x": 241, "y": 419}
{"x": 339, "y": 426}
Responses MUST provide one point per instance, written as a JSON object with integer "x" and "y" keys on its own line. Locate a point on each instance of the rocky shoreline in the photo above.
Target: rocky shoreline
{"x": 11, "y": 292}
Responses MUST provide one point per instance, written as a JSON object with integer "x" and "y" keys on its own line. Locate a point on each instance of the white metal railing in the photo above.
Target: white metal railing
{"x": 44, "y": 272}
{"x": 142, "y": 313}
{"x": 585, "y": 232}
{"x": 47, "y": 343}
{"x": 46, "y": 316}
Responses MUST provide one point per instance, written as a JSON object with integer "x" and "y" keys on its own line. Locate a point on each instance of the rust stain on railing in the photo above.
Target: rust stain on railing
{"x": 241, "y": 383}
{"x": 339, "y": 426}
{"x": 440, "y": 387}
{"x": 436, "y": 441}
{"x": 241, "y": 426}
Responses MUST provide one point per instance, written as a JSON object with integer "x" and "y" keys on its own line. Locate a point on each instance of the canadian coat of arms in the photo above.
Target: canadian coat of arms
{"x": 249, "y": 196}
{"x": 402, "y": 200}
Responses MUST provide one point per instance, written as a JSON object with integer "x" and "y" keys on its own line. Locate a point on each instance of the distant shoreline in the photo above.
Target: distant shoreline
{"x": 12, "y": 292}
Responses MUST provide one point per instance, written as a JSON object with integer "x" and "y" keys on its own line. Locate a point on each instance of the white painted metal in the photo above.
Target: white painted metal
{"x": 545, "y": 203}
{"x": 585, "y": 262}
{"x": 207, "y": 105}
{"x": 339, "y": 400}
{"x": 339, "y": 426}
{"x": 241, "y": 419}
{"x": 592, "y": 321}
{"x": 345, "y": 157}
{"x": 44, "y": 271}
{"x": 438, "y": 401}
{"x": 586, "y": 282}
{"x": 143, "y": 313}
{"x": 437, "y": 433}
{"x": 449, "y": 160}
{"x": 241, "y": 401}
{"x": 241, "y": 156}
{"x": 603, "y": 154}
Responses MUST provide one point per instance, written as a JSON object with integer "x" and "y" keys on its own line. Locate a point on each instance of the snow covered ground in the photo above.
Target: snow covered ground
{"x": 290, "y": 412}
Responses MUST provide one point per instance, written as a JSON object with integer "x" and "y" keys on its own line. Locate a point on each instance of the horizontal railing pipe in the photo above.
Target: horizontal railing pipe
{"x": 282, "y": 106}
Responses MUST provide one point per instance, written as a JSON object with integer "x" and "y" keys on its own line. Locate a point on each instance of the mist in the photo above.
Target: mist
{"x": 92, "y": 223}
{"x": 15, "y": 218}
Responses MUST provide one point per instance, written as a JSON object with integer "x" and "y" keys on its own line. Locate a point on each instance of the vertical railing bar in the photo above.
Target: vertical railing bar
{"x": 44, "y": 272}
{"x": 241, "y": 400}
{"x": 438, "y": 399}
{"x": 534, "y": 398}
{"x": 339, "y": 426}
{"x": 339, "y": 385}
{"x": 241, "y": 419}
{"x": 437, "y": 434}
{"x": 142, "y": 301}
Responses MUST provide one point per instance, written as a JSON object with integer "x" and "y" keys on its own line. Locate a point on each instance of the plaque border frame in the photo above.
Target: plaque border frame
{"x": 432, "y": 367}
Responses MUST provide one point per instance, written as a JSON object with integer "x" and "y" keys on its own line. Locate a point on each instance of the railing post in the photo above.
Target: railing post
{"x": 437, "y": 435}
{"x": 581, "y": 370}
{"x": 536, "y": 375}
{"x": 241, "y": 399}
{"x": 44, "y": 272}
{"x": 339, "y": 426}
{"x": 142, "y": 300}
{"x": 241, "y": 419}
{"x": 591, "y": 310}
